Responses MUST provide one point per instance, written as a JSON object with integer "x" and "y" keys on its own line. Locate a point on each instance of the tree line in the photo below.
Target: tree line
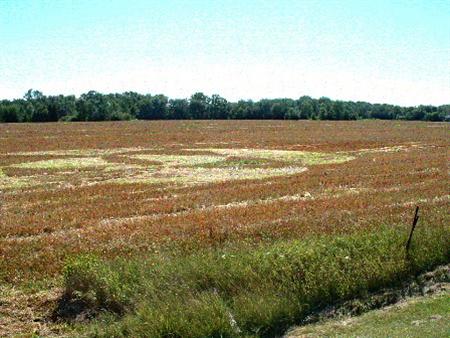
{"x": 94, "y": 106}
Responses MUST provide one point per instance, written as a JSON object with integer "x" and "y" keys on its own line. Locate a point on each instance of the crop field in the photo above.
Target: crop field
{"x": 211, "y": 216}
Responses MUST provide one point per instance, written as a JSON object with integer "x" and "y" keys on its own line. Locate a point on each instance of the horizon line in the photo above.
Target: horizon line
{"x": 77, "y": 96}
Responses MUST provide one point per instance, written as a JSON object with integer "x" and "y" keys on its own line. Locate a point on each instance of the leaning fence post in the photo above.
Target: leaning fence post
{"x": 416, "y": 218}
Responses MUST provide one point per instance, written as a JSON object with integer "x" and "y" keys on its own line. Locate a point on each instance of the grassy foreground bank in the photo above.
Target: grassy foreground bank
{"x": 245, "y": 292}
{"x": 415, "y": 318}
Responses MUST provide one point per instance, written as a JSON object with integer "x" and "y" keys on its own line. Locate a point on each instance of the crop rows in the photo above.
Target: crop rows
{"x": 80, "y": 193}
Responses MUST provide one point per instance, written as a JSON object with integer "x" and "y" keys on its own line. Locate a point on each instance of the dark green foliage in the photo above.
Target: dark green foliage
{"x": 218, "y": 108}
{"x": 153, "y": 108}
{"x": 198, "y": 106}
{"x": 94, "y": 106}
{"x": 179, "y": 109}
{"x": 9, "y": 112}
{"x": 243, "y": 291}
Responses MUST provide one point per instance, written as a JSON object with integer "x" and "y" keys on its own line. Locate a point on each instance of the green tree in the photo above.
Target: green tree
{"x": 9, "y": 113}
{"x": 178, "y": 109}
{"x": 218, "y": 108}
{"x": 199, "y": 106}
{"x": 305, "y": 107}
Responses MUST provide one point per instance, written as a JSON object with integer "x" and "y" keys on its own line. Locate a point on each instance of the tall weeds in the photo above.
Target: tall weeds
{"x": 244, "y": 291}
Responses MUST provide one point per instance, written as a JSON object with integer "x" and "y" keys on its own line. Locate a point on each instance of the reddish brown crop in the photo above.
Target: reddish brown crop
{"x": 52, "y": 206}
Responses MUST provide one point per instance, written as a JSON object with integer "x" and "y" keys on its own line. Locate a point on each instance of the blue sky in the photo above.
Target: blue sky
{"x": 374, "y": 50}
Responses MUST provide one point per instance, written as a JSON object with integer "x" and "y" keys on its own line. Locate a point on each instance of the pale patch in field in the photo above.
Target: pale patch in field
{"x": 392, "y": 149}
{"x": 303, "y": 157}
{"x": 192, "y": 176}
{"x": 173, "y": 169}
{"x": 179, "y": 160}
{"x": 110, "y": 166}
{"x": 206, "y": 175}
{"x": 80, "y": 152}
{"x": 435, "y": 199}
{"x": 427, "y": 171}
{"x": 344, "y": 190}
{"x": 7, "y": 182}
{"x": 222, "y": 143}
{"x": 65, "y": 163}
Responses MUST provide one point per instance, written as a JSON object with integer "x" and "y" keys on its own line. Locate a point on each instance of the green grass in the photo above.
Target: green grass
{"x": 7, "y": 182}
{"x": 245, "y": 291}
{"x": 178, "y": 160}
{"x": 242, "y": 163}
{"x": 419, "y": 317}
{"x": 67, "y": 163}
{"x": 288, "y": 156}
{"x": 199, "y": 175}
{"x": 81, "y": 152}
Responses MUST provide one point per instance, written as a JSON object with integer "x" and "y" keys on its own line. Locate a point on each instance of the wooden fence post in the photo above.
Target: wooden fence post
{"x": 416, "y": 218}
